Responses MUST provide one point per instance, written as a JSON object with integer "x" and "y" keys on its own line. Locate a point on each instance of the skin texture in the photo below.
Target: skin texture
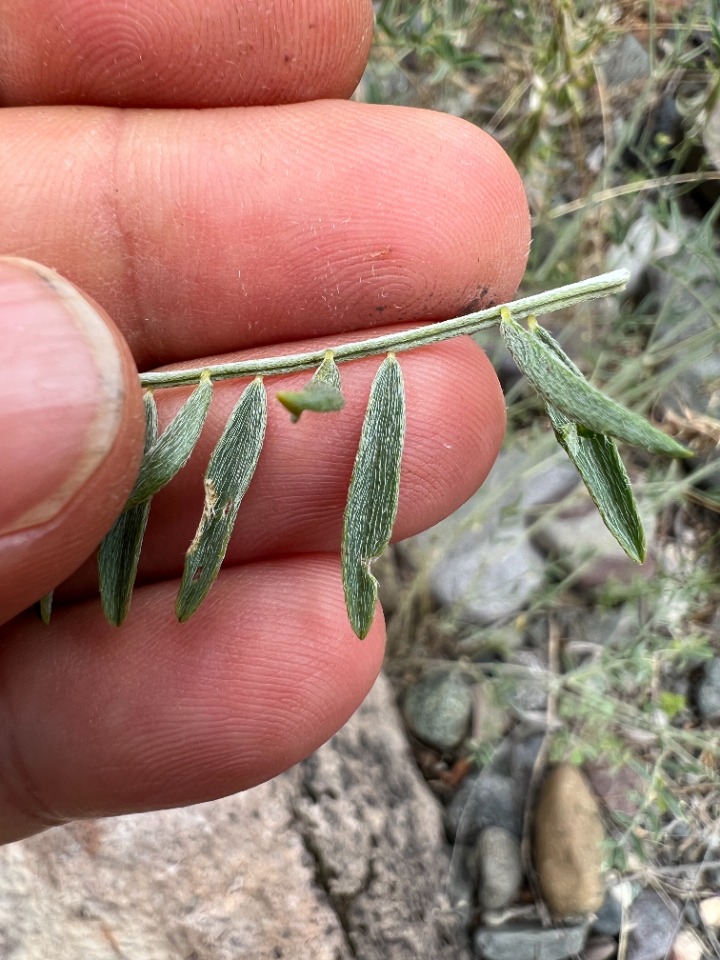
{"x": 279, "y": 218}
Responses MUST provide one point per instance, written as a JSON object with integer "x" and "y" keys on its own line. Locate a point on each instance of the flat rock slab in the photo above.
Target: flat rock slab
{"x": 529, "y": 942}
{"x": 342, "y": 857}
{"x": 217, "y": 881}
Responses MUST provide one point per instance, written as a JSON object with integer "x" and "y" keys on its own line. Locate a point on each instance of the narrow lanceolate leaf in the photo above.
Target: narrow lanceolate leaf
{"x": 228, "y": 476}
{"x": 321, "y": 395}
{"x": 560, "y": 384}
{"x": 172, "y": 450}
{"x": 598, "y": 463}
{"x": 373, "y": 494}
{"x": 120, "y": 549}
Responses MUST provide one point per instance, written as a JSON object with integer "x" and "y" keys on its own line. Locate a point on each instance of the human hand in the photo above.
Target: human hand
{"x": 283, "y": 217}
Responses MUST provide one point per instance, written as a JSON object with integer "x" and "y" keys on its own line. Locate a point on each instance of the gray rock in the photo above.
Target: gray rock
{"x": 213, "y": 881}
{"x": 707, "y": 693}
{"x": 608, "y": 919}
{"x": 577, "y": 538}
{"x": 624, "y": 61}
{"x": 344, "y": 853}
{"x": 524, "y": 753}
{"x": 602, "y": 948}
{"x": 529, "y": 692}
{"x": 483, "y": 800}
{"x": 644, "y": 243}
{"x": 617, "y": 628}
{"x": 501, "y": 761}
{"x": 549, "y": 482}
{"x": 653, "y": 924}
{"x": 375, "y": 836}
{"x": 438, "y": 708}
{"x": 490, "y": 574}
{"x": 480, "y": 561}
{"x": 497, "y": 863}
{"x": 688, "y": 295}
{"x": 526, "y": 941}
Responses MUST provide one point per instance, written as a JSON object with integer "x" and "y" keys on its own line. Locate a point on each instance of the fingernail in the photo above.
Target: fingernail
{"x": 61, "y": 392}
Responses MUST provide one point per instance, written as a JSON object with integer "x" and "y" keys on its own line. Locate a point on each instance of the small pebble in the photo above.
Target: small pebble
{"x": 498, "y": 865}
{"x": 687, "y": 946}
{"x": 438, "y": 708}
{"x": 707, "y": 695}
{"x": 609, "y": 917}
{"x": 600, "y": 948}
{"x": 483, "y": 800}
{"x": 568, "y": 844}
{"x": 710, "y": 912}
{"x": 653, "y": 925}
{"x": 527, "y": 941}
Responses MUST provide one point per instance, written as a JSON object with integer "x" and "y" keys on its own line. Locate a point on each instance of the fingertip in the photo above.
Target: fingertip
{"x": 473, "y": 209}
{"x": 71, "y": 428}
{"x": 159, "y": 714}
{"x": 181, "y": 54}
{"x": 453, "y": 441}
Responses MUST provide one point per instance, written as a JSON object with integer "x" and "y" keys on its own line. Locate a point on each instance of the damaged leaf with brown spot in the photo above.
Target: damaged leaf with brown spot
{"x": 227, "y": 478}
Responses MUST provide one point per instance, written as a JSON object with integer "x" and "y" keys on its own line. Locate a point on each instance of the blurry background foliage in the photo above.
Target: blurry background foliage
{"x": 611, "y": 111}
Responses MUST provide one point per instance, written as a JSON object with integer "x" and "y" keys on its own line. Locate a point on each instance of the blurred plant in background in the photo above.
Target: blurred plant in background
{"x": 611, "y": 111}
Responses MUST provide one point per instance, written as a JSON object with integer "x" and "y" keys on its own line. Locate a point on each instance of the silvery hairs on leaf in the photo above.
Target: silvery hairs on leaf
{"x": 120, "y": 550}
{"x": 172, "y": 450}
{"x": 563, "y": 386}
{"x": 598, "y": 462}
{"x": 322, "y": 394}
{"x": 227, "y": 478}
{"x": 373, "y": 495}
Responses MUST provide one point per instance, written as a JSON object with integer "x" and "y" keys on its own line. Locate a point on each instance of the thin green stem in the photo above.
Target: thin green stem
{"x": 537, "y": 304}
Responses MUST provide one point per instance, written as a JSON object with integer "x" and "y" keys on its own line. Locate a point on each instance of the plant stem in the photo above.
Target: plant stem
{"x": 537, "y": 304}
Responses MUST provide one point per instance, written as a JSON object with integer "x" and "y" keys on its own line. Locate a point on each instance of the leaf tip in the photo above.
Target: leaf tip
{"x": 678, "y": 450}
{"x": 44, "y": 608}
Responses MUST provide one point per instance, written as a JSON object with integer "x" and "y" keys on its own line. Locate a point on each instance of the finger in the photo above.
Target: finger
{"x": 97, "y": 721}
{"x": 181, "y": 54}
{"x": 296, "y": 501}
{"x": 206, "y": 232}
{"x": 71, "y": 428}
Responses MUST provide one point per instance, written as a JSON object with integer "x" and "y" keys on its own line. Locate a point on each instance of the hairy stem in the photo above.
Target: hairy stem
{"x": 537, "y": 304}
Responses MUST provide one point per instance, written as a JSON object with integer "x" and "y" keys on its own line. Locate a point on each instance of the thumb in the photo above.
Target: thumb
{"x": 71, "y": 430}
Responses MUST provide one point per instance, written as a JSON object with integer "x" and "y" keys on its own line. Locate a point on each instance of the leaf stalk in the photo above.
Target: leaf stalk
{"x": 548, "y": 301}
